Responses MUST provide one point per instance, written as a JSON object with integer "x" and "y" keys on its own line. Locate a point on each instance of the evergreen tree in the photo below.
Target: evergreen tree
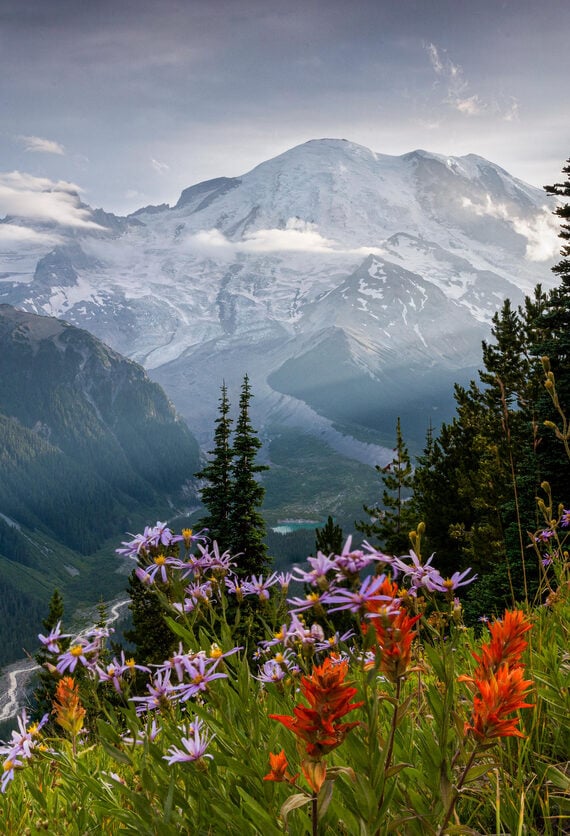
{"x": 153, "y": 639}
{"x": 44, "y": 691}
{"x": 392, "y": 521}
{"x": 246, "y": 522}
{"x": 552, "y": 340}
{"x": 329, "y": 538}
{"x": 217, "y": 495}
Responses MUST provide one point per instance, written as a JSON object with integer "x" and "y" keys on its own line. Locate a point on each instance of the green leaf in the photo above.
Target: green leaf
{"x": 294, "y": 801}
{"x": 334, "y": 771}
{"x": 116, "y": 754}
{"x": 397, "y": 767}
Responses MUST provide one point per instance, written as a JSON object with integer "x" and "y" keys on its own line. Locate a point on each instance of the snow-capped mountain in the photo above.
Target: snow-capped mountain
{"x": 351, "y": 286}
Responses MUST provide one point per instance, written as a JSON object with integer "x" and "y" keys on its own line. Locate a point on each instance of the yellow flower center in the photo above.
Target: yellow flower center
{"x": 215, "y": 652}
{"x": 33, "y": 729}
{"x": 130, "y": 662}
{"x": 160, "y": 560}
{"x": 76, "y": 650}
{"x": 8, "y": 765}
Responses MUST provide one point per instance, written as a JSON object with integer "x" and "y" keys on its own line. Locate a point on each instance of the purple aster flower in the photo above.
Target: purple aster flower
{"x": 201, "y": 671}
{"x": 51, "y": 641}
{"x": 321, "y": 566}
{"x": 333, "y": 642}
{"x": 565, "y": 518}
{"x": 314, "y": 600}
{"x": 421, "y": 575}
{"x": 235, "y": 587}
{"x": 544, "y": 536}
{"x": 271, "y": 671}
{"x": 213, "y": 559}
{"x": 356, "y": 600}
{"x": 284, "y": 579}
{"x": 142, "y": 735}
{"x": 546, "y": 561}
{"x": 79, "y": 651}
{"x": 160, "y": 694}
{"x": 257, "y": 586}
{"x": 10, "y": 764}
{"x": 195, "y": 744}
{"x": 455, "y": 581}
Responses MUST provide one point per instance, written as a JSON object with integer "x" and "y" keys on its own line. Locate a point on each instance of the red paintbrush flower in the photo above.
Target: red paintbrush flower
{"x": 499, "y": 695}
{"x": 394, "y": 635}
{"x": 506, "y": 646}
{"x": 329, "y": 698}
{"x": 278, "y": 771}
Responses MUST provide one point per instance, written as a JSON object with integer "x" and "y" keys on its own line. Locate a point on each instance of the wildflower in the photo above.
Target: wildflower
{"x": 278, "y": 771}
{"x": 499, "y": 695}
{"x": 350, "y": 563}
{"x": 69, "y": 713}
{"x": 195, "y": 744}
{"x": 160, "y": 694}
{"x": 312, "y": 601}
{"x": 329, "y": 696}
{"x": 421, "y": 575}
{"x": 394, "y": 636}
{"x": 565, "y": 518}
{"x": 357, "y": 600}
{"x": 458, "y": 579}
{"x": 51, "y": 641}
{"x": 10, "y": 764}
{"x": 284, "y": 579}
{"x": 201, "y": 672}
{"x": 322, "y": 565}
{"x": 257, "y": 586}
{"x": 506, "y": 646}
{"x": 79, "y": 651}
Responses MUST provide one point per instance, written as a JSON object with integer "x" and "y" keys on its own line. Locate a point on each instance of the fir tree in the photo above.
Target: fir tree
{"x": 392, "y": 521}
{"x": 247, "y": 524}
{"x": 46, "y": 681}
{"x": 329, "y": 538}
{"x": 217, "y": 495}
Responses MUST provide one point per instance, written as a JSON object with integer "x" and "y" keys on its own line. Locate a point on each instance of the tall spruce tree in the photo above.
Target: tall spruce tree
{"x": 329, "y": 539}
{"x": 552, "y": 340}
{"x": 246, "y": 522}
{"x": 392, "y": 521}
{"x": 44, "y": 690}
{"x": 217, "y": 494}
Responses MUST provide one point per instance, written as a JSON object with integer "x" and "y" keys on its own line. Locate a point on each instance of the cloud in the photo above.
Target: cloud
{"x": 38, "y": 145}
{"x": 13, "y": 235}
{"x": 541, "y": 230}
{"x": 297, "y": 236}
{"x": 158, "y": 166}
{"x": 451, "y": 75}
{"x": 38, "y": 198}
{"x": 471, "y": 106}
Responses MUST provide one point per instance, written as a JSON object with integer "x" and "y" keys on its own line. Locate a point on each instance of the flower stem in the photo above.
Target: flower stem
{"x": 455, "y": 796}
{"x": 314, "y": 814}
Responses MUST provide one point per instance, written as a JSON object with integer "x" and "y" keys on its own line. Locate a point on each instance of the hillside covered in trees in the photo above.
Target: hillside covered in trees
{"x": 88, "y": 446}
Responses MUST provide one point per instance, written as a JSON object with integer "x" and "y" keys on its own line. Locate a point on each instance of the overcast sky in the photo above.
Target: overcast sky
{"x": 134, "y": 100}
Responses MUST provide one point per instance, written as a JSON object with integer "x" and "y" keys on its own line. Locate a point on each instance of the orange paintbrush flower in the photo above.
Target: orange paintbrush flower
{"x": 506, "y": 646}
{"x": 394, "y": 636}
{"x": 329, "y": 697}
{"x": 499, "y": 695}
{"x": 278, "y": 771}
{"x": 69, "y": 712}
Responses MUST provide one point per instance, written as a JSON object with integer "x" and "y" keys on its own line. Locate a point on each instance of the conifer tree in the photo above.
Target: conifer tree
{"x": 329, "y": 538}
{"x": 217, "y": 495}
{"x": 392, "y": 521}
{"x": 246, "y": 521}
{"x": 46, "y": 682}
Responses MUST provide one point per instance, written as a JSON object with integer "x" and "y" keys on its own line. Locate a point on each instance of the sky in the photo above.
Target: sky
{"x": 131, "y": 101}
